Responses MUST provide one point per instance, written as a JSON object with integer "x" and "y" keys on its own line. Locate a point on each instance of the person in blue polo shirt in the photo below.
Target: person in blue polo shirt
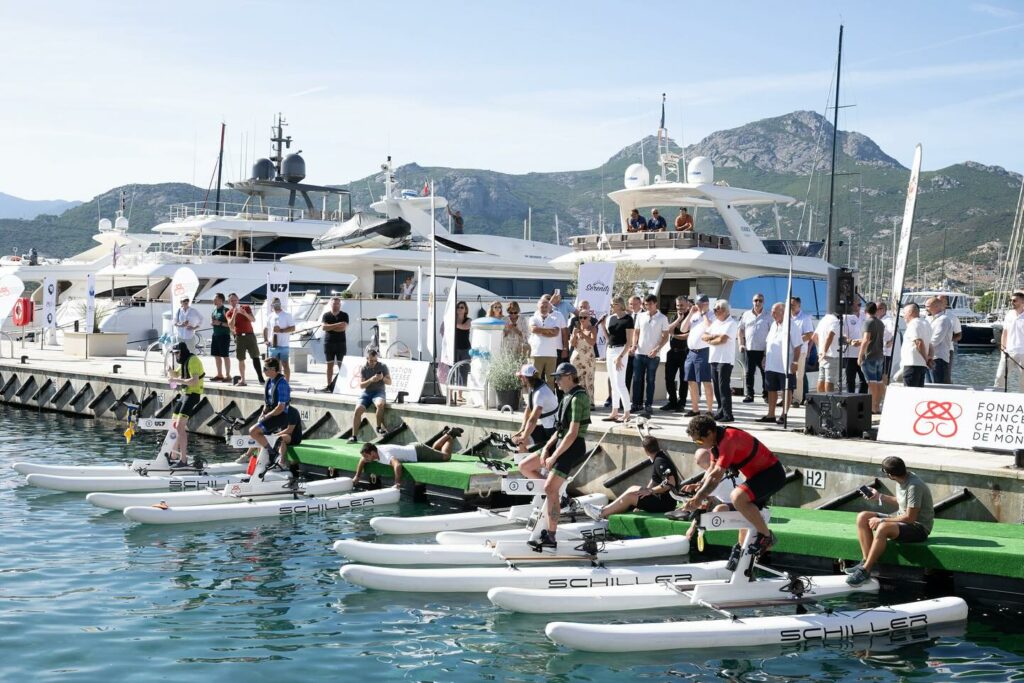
{"x": 657, "y": 222}
{"x": 637, "y": 223}
{"x": 277, "y": 395}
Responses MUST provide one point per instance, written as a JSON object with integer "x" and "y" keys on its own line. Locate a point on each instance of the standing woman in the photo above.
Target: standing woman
{"x": 494, "y": 311}
{"x": 462, "y": 327}
{"x": 618, "y": 325}
{"x": 584, "y": 358}
{"x": 516, "y": 332}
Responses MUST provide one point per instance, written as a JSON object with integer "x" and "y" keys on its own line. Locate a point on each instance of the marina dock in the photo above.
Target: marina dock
{"x": 824, "y": 473}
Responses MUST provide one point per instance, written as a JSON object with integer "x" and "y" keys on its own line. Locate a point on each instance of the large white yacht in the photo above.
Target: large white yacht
{"x": 489, "y": 267}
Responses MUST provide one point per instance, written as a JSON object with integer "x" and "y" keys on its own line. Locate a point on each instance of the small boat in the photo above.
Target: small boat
{"x": 185, "y": 482}
{"x": 483, "y": 579}
{"x": 267, "y": 489}
{"x": 502, "y": 551}
{"x": 571, "y": 531}
{"x": 755, "y": 631}
{"x": 258, "y": 509}
{"x": 367, "y": 231}
{"x": 762, "y": 592}
{"x": 123, "y": 470}
{"x": 481, "y": 518}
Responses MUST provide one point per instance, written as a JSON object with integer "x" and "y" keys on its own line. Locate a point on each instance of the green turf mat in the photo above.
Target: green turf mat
{"x": 344, "y": 456}
{"x": 973, "y": 547}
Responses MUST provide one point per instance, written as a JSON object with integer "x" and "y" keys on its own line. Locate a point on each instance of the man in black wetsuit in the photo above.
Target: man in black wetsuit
{"x": 655, "y": 497}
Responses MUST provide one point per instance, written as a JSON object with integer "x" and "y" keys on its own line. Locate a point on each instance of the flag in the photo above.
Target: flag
{"x": 425, "y": 192}
{"x": 662, "y": 126}
{"x": 448, "y": 338}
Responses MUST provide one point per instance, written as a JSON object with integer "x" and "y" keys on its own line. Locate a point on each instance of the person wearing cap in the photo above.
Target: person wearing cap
{"x": 565, "y": 450}
{"x": 278, "y": 335}
{"x": 187, "y": 378}
{"x": 657, "y": 222}
{"x": 698, "y": 367}
{"x": 186, "y": 321}
{"x": 288, "y": 432}
{"x": 539, "y": 417}
{"x": 373, "y": 380}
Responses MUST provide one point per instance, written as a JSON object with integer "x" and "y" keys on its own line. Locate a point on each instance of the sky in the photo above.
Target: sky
{"x": 100, "y": 94}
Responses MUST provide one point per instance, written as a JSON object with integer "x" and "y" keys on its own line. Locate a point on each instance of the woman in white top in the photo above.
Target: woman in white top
{"x": 618, "y": 326}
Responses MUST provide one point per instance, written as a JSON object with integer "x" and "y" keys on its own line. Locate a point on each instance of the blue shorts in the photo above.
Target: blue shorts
{"x": 697, "y": 368}
{"x": 776, "y": 381}
{"x": 279, "y": 352}
{"x": 369, "y": 397}
{"x": 872, "y": 369}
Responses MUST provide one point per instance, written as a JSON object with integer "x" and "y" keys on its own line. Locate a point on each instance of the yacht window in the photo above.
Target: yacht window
{"x": 387, "y": 284}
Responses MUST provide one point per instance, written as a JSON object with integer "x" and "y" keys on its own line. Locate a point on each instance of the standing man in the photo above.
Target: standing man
{"x": 240, "y": 319}
{"x": 636, "y": 306}
{"x": 887, "y": 344}
{"x": 281, "y": 326}
{"x": 826, "y": 337}
{"x": 915, "y": 353}
{"x": 852, "y": 332}
{"x": 657, "y": 222}
{"x": 565, "y": 450}
{"x": 1012, "y": 341}
{"x": 698, "y": 367}
{"x": 779, "y": 377}
{"x": 186, "y": 321}
{"x": 562, "y": 310}
{"x": 545, "y": 336}
{"x": 941, "y": 341}
{"x": 870, "y": 356}
{"x": 650, "y": 334}
{"x": 912, "y": 523}
{"x": 753, "y": 332}
{"x": 457, "y": 221}
{"x": 220, "y": 344}
{"x": 373, "y": 378}
{"x": 334, "y": 323}
{"x": 684, "y": 221}
{"x": 675, "y": 359}
{"x": 721, "y": 337}
{"x": 806, "y": 325}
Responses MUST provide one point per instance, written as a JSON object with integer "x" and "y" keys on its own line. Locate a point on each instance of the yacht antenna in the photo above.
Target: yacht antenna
{"x": 558, "y": 239}
{"x": 279, "y": 139}
{"x": 662, "y": 139}
{"x": 835, "y": 137}
{"x": 220, "y": 167}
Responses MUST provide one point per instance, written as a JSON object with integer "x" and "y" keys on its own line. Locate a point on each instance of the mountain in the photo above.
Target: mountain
{"x": 16, "y": 207}
{"x": 964, "y": 211}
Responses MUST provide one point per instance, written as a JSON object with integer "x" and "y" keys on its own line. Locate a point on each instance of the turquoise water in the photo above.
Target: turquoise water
{"x": 85, "y": 596}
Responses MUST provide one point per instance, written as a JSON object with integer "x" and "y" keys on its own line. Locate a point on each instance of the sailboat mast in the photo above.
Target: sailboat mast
{"x": 220, "y": 167}
{"x": 835, "y": 137}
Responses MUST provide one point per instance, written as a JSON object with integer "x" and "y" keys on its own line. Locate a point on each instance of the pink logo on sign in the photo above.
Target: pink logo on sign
{"x": 937, "y": 416}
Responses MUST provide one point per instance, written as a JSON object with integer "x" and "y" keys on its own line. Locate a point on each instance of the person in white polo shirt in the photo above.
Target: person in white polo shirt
{"x": 1012, "y": 342}
{"x": 853, "y": 324}
{"x": 826, "y": 338}
{"x": 777, "y": 376}
{"x": 721, "y": 337}
{"x": 650, "y": 334}
{"x": 753, "y": 331}
{"x": 698, "y": 367}
{"x": 545, "y": 341}
{"x": 915, "y": 354}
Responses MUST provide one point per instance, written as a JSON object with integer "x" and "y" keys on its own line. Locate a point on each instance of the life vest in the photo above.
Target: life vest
{"x": 562, "y": 419}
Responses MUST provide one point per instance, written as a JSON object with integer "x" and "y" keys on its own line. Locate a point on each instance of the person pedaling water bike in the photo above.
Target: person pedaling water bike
{"x": 734, "y": 450}
{"x": 187, "y": 378}
{"x": 655, "y": 497}
{"x": 274, "y": 418}
{"x": 288, "y": 435}
{"x": 717, "y": 500}
{"x": 388, "y": 454}
{"x": 539, "y": 417}
{"x": 565, "y": 450}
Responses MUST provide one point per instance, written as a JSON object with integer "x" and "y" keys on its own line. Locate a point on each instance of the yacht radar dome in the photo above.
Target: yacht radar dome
{"x": 263, "y": 169}
{"x": 294, "y": 168}
{"x": 637, "y": 175}
{"x": 121, "y": 223}
{"x": 700, "y": 170}
{"x": 105, "y": 225}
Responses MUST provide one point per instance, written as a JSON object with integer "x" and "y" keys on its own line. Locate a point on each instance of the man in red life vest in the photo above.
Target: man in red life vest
{"x": 737, "y": 451}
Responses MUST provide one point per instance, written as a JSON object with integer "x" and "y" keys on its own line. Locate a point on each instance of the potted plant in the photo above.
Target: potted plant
{"x": 503, "y": 377}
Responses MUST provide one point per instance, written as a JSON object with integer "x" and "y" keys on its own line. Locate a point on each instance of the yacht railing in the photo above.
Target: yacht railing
{"x": 650, "y": 240}
{"x": 186, "y": 210}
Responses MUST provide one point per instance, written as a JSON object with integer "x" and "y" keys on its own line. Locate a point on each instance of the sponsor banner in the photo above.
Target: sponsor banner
{"x": 448, "y": 326}
{"x": 90, "y": 302}
{"x": 50, "y": 303}
{"x": 11, "y": 289}
{"x": 953, "y": 418}
{"x": 903, "y": 250}
{"x": 594, "y": 285}
{"x": 185, "y": 283}
{"x": 406, "y": 375}
{"x": 278, "y": 286}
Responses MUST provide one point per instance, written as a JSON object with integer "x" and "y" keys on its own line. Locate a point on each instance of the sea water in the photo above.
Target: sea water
{"x": 87, "y": 596}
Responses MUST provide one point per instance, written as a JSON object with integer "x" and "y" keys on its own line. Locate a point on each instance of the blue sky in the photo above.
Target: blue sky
{"x": 98, "y": 94}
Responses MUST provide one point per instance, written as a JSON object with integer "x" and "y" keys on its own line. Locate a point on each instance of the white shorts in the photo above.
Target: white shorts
{"x": 828, "y": 370}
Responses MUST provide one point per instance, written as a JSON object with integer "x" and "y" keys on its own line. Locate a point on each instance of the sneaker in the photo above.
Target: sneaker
{"x": 382, "y": 430}
{"x": 608, "y": 403}
{"x": 669, "y": 406}
{"x": 854, "y": 568}
{"x": 765, "y": 418}
{"x": 546, "y": 540}
{"x": 179, "y": 465}
{"x": 734, "y": 558}
{"x": 691, "y": 413}
{"x": 762, "y": 543}
{"x": 858, "y": 576}
{"x": 593, "y": 511}
{"x": 455, "y": 432}
{"x": 352, "y": 439}
{"x": 748, "y": 399}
